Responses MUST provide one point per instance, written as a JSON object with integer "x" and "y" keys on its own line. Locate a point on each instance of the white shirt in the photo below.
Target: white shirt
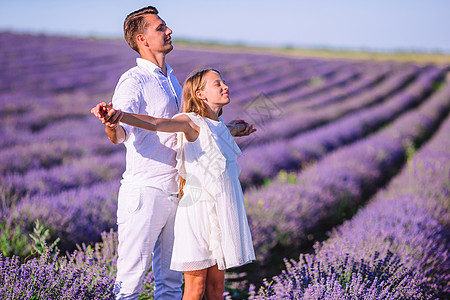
{"x": 150, "y": 158}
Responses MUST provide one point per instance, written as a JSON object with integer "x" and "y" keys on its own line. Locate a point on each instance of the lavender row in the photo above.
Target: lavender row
{"x": 43, "y": 73}
{"x": 294, "y": 123}
{"x": 79, "y": 172}
{"x": 316, "y": 92}
{"x": 270, "y": 72}
{"x": 30, "y": 114}
{"x": 329, "y": 86}
{"x": 319, "y": 91}
{"x": 51, "y": 181}
{"x": 44, "y": 70}
{"x": 21, "y": 158}
{"x": 286, "y": 81}
{"x": 89, "y": 138}
{"x": 100, "y": 62}
{"x": 287, "y": 125}
{"x": 291, "y": 214}
{"x": 324, "y": 84}
{"x": 395, "y": 247}
{"x": 33, "y": 114}
{"x": 46, "y": 119}
{"x": 33, "y": 117}
{"x": 50, "y": 277}
{"x": 39, "y": 117}
{"x": 49, "y": 153}
{"x": 350, "y": 79}
{"x": 75, "y": 216}
{"x": 53, "y": 146}
{"x": 88, "y": 273}
{"x": 236, "y": 67}
{"x": 102, "y": 66}
{"x": 271, "y": 69}
{"x": 320, "y": 85}
{"x": 371, "y": 77}
{"x": 265, "y": 161}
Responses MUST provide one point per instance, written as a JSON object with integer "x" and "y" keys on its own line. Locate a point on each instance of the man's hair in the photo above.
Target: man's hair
{"x": 135, "y": 24}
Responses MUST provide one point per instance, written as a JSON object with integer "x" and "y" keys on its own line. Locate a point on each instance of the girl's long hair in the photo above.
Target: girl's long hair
{"x": 196, "y": 81}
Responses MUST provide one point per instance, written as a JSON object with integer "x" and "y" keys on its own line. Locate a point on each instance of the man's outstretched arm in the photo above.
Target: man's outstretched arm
{"x": 116, "y": 135}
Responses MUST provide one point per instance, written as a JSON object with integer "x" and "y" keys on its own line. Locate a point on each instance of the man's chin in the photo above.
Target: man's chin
{"x": 168, "y": 48}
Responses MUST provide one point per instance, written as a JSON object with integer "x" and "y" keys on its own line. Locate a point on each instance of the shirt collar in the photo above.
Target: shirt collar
{"x": 148, "y": 65}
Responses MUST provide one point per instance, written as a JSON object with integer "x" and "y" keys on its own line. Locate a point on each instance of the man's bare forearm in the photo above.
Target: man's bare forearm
{"x": 116, "y": 135}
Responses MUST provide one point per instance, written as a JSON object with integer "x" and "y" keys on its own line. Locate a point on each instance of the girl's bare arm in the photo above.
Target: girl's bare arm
{"x": 180, "y": 123}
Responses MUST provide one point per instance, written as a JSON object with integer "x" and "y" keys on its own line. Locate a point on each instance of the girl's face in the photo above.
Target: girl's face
{"x": 216, "y": 92}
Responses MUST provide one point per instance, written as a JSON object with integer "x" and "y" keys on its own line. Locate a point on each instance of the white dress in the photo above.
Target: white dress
{"x": 211, "y": 224}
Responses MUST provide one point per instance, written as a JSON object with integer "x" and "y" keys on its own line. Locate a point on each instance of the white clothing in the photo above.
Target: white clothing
{"x": 211, "y": 224}
{"x": 150, "y": 158}
{"x": 145, "y": 216}
{"x": 146, "y": 211}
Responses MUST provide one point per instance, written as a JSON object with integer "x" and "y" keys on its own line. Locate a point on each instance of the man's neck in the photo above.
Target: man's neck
{"x": 158, "y": 59}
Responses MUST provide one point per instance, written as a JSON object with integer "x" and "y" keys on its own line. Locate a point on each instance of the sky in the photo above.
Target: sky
{"x": 379, "y": 25}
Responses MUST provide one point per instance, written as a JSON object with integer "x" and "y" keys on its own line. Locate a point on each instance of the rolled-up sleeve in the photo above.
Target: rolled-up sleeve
{"x": 127, "y": 96}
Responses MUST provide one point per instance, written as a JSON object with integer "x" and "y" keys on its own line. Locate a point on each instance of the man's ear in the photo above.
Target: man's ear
{"x": 140, "y": 39}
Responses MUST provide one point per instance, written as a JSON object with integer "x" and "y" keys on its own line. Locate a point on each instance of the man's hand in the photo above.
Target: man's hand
{"x": 240, "y": 128}
{"x": 111, "y": 118}
{"x": 107, "y": 114}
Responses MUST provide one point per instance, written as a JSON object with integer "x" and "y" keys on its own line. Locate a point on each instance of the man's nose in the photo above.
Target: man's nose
{"x": 169, "y": 31}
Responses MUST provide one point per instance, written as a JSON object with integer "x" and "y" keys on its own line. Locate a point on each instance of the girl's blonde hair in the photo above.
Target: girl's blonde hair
{"x": 196, "y": 81}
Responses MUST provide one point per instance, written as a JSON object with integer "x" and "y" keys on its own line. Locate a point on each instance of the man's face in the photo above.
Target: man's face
{"x": 157, "y": 34}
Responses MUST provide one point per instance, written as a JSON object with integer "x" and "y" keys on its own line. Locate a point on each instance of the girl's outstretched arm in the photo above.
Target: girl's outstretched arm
{"x": 180, "y": 123}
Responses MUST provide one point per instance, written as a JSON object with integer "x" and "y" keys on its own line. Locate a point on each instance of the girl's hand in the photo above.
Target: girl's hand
{"x": 244, "y": 129}
{"x": 107, "y": 114}
{"x": 100, "y": 110}
{"x": 240, "y": 128}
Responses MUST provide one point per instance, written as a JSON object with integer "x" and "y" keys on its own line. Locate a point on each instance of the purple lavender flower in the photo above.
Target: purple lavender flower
{"x": 395, "y": 247}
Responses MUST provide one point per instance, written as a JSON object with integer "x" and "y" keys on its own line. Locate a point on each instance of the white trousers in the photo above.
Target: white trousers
{"x": 145, "y": 219}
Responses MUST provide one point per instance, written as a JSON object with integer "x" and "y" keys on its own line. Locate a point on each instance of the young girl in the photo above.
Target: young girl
{"x": 211, "y": 228}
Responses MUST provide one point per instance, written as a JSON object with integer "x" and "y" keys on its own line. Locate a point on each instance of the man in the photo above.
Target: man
{"x": 147, "y": 198}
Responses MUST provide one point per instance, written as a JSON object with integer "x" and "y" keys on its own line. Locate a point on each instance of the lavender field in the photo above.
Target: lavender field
{"x": 346, "y": 181}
